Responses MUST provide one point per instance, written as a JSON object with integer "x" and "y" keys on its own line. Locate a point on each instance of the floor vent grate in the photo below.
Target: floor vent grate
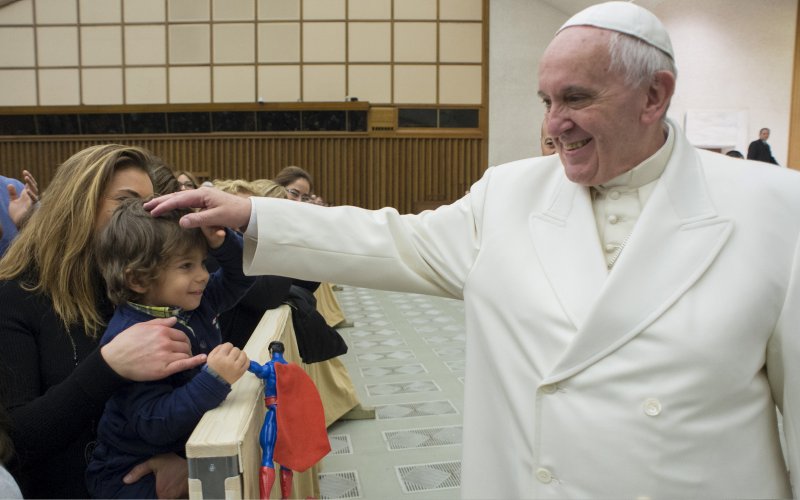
{"x": 339, "y": 485}
{"x": 370, "y": 357}
{"x": 412, "y": 387}
{"x": 340, "y": 444}
{"x": 411, "y": 410}
{"x": 429, "y": 477}
{"x": 429, "y": 437}
{"x": 387, "y": 371}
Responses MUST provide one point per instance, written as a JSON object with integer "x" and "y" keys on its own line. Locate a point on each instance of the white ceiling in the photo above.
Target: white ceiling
{"x": 570, "y": 7}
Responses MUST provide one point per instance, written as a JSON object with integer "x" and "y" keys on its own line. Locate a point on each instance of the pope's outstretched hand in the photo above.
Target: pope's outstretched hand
{"x": 217, "y": 207}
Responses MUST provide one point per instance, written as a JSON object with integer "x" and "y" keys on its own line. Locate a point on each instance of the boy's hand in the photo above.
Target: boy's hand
{"x": 229, "y": 362}
{"x": 215, "y": 235}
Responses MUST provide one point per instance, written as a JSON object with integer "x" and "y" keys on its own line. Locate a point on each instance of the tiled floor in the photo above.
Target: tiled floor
{"x": 406, "y": 359}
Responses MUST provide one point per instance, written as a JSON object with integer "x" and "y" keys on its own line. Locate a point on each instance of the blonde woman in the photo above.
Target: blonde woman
{"x": 54, "y": 381}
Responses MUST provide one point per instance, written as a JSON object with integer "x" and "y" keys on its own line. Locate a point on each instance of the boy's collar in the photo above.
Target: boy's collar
{"x": 158, "y": 311}
{"x": 165, "y": 312}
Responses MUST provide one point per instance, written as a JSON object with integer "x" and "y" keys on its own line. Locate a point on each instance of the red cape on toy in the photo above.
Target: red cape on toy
{"x": 302, "y": 437}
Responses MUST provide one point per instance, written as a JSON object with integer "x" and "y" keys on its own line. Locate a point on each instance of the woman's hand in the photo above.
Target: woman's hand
{"x": 171, "y": 471}
{"x": 151, "y": 350}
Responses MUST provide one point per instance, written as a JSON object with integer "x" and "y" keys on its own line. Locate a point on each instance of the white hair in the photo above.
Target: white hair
{"x": 636, "y": 60}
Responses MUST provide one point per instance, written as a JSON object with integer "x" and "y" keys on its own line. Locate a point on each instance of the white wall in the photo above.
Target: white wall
{"x": 735, "y": 55}
{"x": 519, "y": 31}
{"x": 731, "y": 54}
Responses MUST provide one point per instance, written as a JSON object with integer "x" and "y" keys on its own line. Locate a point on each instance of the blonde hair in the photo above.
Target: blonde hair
{"x": 259, "y": 187}
{"x": 234, "y": 186}
{"x": 54, "y": 252}
{"x": 269, "y": 189}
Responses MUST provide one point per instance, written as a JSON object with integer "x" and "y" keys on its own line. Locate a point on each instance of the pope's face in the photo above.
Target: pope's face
{"x": 593, "y": 116}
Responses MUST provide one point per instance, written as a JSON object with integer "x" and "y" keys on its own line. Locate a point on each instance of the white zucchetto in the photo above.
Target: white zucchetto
{"x": 627, "y": 18}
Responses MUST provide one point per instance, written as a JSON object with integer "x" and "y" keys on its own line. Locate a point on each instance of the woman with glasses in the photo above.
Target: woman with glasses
{"x": 186, "y": 180}
{"x": 296, "y": 181}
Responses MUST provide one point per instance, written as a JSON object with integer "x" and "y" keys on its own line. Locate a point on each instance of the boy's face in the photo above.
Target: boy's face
{"x": 180, "y": 284}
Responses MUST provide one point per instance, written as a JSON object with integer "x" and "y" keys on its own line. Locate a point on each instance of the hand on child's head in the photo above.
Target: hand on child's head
{"x": 215, "y": 235}
{"x": 229, "y": 362}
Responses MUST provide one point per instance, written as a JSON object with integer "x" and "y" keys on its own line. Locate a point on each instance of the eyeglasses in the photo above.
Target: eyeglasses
{"x": 297, "y": 195}
{"x": 187, "y": 184}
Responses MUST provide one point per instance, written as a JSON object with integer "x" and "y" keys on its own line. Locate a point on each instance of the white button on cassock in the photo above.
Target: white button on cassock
{"x": 549, "y": 389}
{"x": 614, "y": 195}
{"x": 613, "y": 219}
{"x": 544, "y": 475}
{"x": 652, "y": 407}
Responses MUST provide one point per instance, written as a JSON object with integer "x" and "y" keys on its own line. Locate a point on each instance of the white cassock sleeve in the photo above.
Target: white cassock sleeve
{"x": 429, "y": 253}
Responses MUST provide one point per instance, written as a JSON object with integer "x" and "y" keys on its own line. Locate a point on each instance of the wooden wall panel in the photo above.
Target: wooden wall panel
{"x": 794, "y": 112}
{"x": 408, "y": 173}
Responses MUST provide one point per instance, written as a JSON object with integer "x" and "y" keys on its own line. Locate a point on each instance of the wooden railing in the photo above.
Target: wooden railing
{"x": 405, "y": 171}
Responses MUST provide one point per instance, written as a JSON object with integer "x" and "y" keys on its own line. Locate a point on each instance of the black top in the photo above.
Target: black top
{"x": 760, "y": 150}
{"x": 54, "y": 384}
{"x": 238, "y": 322}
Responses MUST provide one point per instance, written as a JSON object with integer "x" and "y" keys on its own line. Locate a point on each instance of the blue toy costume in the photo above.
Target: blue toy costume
{"x": 144, "y": 419}
{"x": 295, "y": 435}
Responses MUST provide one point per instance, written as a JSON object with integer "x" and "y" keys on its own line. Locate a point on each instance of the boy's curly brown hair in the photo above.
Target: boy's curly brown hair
{"x": 135, "y": 247}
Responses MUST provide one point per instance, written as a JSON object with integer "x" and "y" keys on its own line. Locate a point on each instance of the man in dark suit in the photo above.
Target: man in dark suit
{"x": 759, "y": 149}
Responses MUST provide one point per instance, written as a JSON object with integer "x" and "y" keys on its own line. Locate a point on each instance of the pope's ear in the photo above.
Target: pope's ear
{"x": 133, "y": 281}
{"x": 659, "y": 95}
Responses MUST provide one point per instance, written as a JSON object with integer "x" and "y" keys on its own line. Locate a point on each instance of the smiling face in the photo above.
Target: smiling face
{"x": 299, "y": 190}
{"x": 595, "y": 119}
{"x": 180, "y": 283}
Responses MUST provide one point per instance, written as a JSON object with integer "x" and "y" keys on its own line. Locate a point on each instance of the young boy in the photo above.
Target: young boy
{"x": 154, "y": 268}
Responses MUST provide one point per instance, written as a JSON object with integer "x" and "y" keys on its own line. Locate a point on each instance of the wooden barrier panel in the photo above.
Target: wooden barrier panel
{"x": 223, "y": 452}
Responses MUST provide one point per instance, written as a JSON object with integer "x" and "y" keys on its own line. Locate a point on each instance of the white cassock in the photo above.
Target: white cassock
{"x": 656, "y": 379}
